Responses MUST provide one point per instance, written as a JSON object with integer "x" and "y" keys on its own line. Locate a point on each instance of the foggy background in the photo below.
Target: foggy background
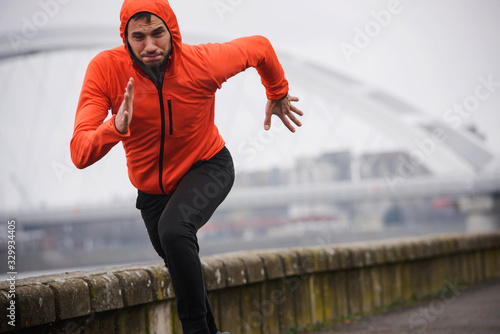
{"x": 429, "y": 55}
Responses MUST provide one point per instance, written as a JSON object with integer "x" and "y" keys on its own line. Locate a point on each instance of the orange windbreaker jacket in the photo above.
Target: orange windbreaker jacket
{"x": 172, "y": 126}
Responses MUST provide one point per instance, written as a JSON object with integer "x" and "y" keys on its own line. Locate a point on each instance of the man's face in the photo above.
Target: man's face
{"x": 150, "y": 41}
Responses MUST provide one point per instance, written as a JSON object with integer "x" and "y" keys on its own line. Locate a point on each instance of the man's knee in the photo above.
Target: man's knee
{"x": 175, "y": 233}
{"x": 191, "y": 214}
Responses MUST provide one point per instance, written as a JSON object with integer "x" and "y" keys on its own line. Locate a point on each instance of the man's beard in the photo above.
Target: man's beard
{"x": 155, "y": 71}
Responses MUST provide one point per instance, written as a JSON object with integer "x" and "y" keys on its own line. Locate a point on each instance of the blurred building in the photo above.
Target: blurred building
{"x": 328, "y": 167}
{"x": 335, "y": 167}
{"x": 379, "y": 165}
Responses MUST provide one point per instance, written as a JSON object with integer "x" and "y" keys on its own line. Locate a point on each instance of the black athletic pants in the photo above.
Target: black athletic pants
{"x": 172, "y": 222}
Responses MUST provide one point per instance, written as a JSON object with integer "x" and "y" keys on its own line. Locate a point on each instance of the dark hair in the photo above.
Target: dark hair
{"x": 137, "y": 17}
{"x": 142, "y": 16}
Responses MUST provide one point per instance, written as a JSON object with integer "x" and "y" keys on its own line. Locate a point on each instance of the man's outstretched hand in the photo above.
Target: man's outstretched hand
{"x": 285, "y": 110}
{"x": 124, "y": 114}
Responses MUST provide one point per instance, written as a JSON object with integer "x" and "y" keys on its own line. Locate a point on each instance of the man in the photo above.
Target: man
{"x": 165, "y": 119}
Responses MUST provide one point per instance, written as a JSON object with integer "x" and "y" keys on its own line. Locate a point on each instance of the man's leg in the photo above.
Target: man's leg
{"x": 152, "y": 207}
{"x": 198, "y": 194}
{"x": 151, "y": 213}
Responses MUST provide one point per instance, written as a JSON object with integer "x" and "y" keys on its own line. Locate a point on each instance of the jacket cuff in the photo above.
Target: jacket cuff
{"x": 277, "y": 92}
{"x": 111, "y": 126}
{"x": 284, "y": 96}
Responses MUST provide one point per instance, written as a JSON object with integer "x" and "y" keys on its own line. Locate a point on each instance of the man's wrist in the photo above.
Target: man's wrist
{"x": 114, "y": 124}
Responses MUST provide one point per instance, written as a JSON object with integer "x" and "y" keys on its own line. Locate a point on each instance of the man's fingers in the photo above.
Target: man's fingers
{"x": 124, "y": 114}
{"x": 296, "y": 110}
{"x": 130, "y": 85}
{"x": 285, "y": 121}
{"x": 127, "y": 107}
{"x": 290, "y": 107}
{"x": 269, "y": 112}
{"x": 130, "y": 88}
{"x": 126, "y": 100}
{"x": 285, "y": 110}
{"x": 285, "y": 115}
{"x": 129, "y": 95}
{"x": 267, "y": 122}
{"x": 294, "y": 119}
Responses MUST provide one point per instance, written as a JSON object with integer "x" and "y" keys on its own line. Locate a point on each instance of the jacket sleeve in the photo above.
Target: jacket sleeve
{"x": 93, "y": 137}
{"x": 225, "y": 60}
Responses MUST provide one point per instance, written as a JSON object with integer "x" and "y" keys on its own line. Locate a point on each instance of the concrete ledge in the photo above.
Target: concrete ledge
{"x": 268, "y": 291}
{"x": 273, "y": 265}
{"x": 214, "y": 273}
{"x": 105, "y": 292}
{"x": 35, "y": 304}
{"x": 255, "y": 269}
{"x": 161, "y": 284}
{"x": 235, "y": 270}
{"x": 71, "y": 298}
{"x": 290, "y": 260}
{"x": 135, "y": 286}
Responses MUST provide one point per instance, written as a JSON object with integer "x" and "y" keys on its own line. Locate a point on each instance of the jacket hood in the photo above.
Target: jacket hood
{"x": 160, "y": 8}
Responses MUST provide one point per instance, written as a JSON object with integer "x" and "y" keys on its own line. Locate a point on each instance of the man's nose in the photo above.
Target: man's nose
{"x": 150, "y": 45}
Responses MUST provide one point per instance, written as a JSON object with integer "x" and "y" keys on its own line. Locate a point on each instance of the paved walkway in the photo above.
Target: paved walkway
{"x": 475, "y": 310}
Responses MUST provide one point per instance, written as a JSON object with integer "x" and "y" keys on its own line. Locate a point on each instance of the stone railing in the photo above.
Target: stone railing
{"x": 259, "y": 291}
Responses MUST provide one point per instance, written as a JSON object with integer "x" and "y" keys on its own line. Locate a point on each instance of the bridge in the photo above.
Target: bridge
{"x": 460, "y": 169}
{"x": 458, "y": 164}
{"x": 269, "y": 291}
{"x": 256, "y": 198}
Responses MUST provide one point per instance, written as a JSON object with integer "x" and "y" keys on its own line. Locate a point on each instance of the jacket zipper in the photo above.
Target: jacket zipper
{"x": 163, "y": 134}
{"x": 159, "y": 88}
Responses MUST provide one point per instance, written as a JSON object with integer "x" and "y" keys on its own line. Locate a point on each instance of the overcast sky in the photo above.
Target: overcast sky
{"x": 430, "y": 54}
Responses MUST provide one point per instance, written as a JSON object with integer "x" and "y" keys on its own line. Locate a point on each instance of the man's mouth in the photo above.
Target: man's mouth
{"x": 149, "y": 58}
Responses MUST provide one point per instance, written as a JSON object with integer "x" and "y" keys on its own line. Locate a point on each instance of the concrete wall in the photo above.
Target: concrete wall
{"x": 259, "y": 291}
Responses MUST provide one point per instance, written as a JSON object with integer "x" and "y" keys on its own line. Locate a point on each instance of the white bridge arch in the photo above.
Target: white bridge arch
{"x": 413, "y": 129}
{"x": 458, "y": 154}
